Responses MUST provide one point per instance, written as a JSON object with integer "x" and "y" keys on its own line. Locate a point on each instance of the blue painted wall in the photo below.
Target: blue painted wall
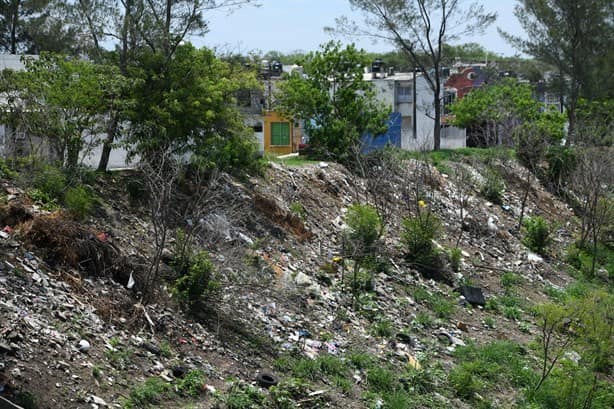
{"x": 391, "y": 138}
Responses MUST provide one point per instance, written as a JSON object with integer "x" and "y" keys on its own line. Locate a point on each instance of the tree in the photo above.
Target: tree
{"x": 361, "y": 239}
{"x": 593, "y": 185}
{"x": 64, "y": 101}
{"x": 574, "y": 37}
{"x": 32, "y": 26}
{"x": 333, "y": 99}
{"x": 187, "y": 105}
{"x": 158, "y": 26}
{"x": 420, "y": 28}
{"x": 495, "y": 111}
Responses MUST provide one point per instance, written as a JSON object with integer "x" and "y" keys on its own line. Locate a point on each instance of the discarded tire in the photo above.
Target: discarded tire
{"x": 266, "y": 380}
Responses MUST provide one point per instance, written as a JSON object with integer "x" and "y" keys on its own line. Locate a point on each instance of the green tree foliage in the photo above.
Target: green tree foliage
{"x": 186, "y": 104}
{"x": 63, "y": 101}
{"x": 575, "y": 38}
{"x": 194, "y": 284}
{"x": 576, "y": 347}
{"x": 421, "y": 29}
{"x": 538, "y": 233}
{"x": 498, "y": 110}
{"x": 33, "y": 26}
{"x": 337, "y": 105}
{"x": 364, "y": 228}
{"x": 131, "y": 26}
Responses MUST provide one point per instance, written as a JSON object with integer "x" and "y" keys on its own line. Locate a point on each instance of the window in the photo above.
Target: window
{"x": 404, "y": 94}
{"x": 406, "y": 122}
{"x": 280, "y": 134}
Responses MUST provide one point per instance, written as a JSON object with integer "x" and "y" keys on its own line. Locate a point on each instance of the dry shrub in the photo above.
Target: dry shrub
{"x": 14, "y": 214}
{"x": 68, "y": 243}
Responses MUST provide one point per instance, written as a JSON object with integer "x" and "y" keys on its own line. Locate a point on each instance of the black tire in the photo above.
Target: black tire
{"x": 266, "y": 380}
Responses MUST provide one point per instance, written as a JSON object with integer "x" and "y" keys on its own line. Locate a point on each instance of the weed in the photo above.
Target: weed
{"x": 417, "y": 236}
{"x": 509, "y": 280}
{"x": 483, "y": 368}
{"x": 383, "y": 328}
{"x": 493, "y": 304}
{"x": 243, "y": 397}
{"x": 424, "y": 319}
{"x": 26, "y": 400}
{"x": 79, "y": 201}
{"x": 148, "y": 393}
{"x": 119, "y": 358}
{"x": 360, "y": 360}
{"x": 166, "y": 350}
{"x": 524, "y": 327}
{"x": 97, "y": 372}
{"x": 455, "y": 256}
{"x": 512, "y": 313}
{"x": 297, "y": 209}
{"x": 490, "y": 322}
{"x": 192, "y": 383}
{"x": 381, "y": 379}
{"x": 492, "y": 189}
{"x": 47, "y": 202}
{"x": 554, "y": 293}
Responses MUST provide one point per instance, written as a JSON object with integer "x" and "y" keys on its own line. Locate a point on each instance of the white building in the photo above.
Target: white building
{"x": 396, "y": 90}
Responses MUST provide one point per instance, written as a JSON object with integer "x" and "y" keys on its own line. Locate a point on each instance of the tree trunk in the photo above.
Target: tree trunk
{"x": 14, "y": 22}
{"x": 437, "y": 119}
{"x": 108, "y": 144}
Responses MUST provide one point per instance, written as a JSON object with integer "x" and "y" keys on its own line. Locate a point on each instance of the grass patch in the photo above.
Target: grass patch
{"x": 150, "y": 392}
{"x": 442, "y": 306}
{"x": 495, "y": 366}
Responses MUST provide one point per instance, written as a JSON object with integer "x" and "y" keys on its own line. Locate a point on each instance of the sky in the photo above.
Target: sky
{"x": 291, "y": 25}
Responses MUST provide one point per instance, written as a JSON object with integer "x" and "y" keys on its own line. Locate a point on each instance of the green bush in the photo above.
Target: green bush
{"x": 136, "y": 190}
{"x": 6, "y": 171}
{"x": 79, "y": 201}
{"x": 363, "y": 231}
{"x": 51, "y": 181}
{"x": 493, "y": 187}
{"x": 537, "y": 236}
{"x": 192, "y": 383}
{"x": 562, "y": 162}
{"x": 417, "y": 237}
{"x": 190, "y": 287}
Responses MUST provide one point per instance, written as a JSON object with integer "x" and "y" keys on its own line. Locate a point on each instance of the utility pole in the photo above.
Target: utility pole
{"x": 414, "y": 122}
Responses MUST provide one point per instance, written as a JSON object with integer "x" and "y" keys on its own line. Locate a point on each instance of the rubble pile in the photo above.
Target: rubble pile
{"x": 74, "y": 336}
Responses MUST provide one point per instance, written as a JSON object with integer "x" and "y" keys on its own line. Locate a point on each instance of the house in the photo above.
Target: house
{"x": 411, "y": 122}
{"x": 274, "y": 133}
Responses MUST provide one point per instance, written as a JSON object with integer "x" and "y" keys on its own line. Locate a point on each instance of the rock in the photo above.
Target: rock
{"x": 84, "y": 346}
{"x": 473, "y": 295}
{"x": 462, "y": 326}
{"x": 5, "y": 348}
{"x": 96, "y": 400}
{"x": 151, "y": 348}
{"x": 302, "y": 279}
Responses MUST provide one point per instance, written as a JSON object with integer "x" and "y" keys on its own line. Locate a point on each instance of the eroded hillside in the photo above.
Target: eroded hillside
{"x": 283, "y": 310}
